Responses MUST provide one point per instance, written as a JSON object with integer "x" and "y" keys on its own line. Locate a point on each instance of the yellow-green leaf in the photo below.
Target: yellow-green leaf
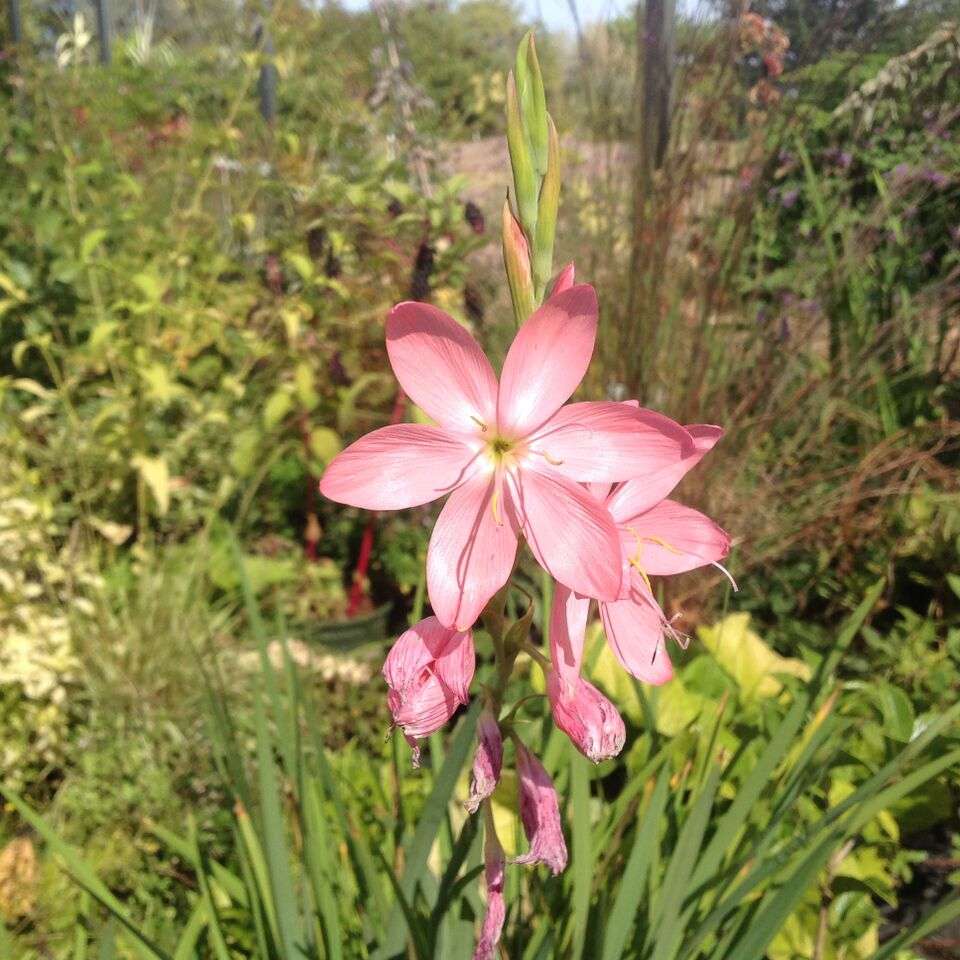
{"x": 156, "y": 475}
{"x": 278, "y": 405}
{"x": 747, "y": 659}
{"x": 90, "y": 242}
{"x": 325, "y": 443}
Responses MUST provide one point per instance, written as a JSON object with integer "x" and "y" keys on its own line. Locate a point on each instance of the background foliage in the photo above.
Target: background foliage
{"x": 191, "y": 307}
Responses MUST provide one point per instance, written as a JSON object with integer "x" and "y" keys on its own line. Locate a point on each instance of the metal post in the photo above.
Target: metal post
{"x": 267, "y": 85}
{"x": 16, "y": 32}
{"x": 103, "y": 29}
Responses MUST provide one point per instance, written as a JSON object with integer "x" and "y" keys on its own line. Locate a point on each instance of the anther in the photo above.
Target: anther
{"x": 546, "y": 456}
{"x": 495, "y": 506}
{"x": 479, "y": 423}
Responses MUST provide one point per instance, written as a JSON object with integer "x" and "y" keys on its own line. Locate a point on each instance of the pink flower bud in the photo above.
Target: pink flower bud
{"x": 539, "y": 813}
{"x": 428, "y": 671}
{"x": 494, "y": 864}
{"x": 486, "y": 761}
{"x": 564, "y": 280}
{"x": 580, "y": 710}
{"x": 586, "y": 716}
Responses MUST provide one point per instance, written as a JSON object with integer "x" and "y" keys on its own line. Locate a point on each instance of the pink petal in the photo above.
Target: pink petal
{"x": 600, "y": 491}
{"x": 487, "y": 761}
{"x": 398, "y": 466}
{"x": 423, "y": 707}
{"x": 428, "y": 671}
{"x": 638, "y": 495}
{"x": 547, "y": 360}
{"x": 586, "y": 716}
{"x": 671, "y": 538}
{"x": 606, "y": 442}
{"x": 565, "y": 279}
{"x": 634, "y": 629}
{"x": 568, "y": 625}
{"x": 571, "y": 535}
{"x": 414, "y": 650}
{"x": 539, "y": 813}
{"x": 494, "y": 869}
{"x": 441, "y": 367}
{"x": 456, "y": 664}
{"x": 705, "y": 436}
{"x": 471, "y": 554}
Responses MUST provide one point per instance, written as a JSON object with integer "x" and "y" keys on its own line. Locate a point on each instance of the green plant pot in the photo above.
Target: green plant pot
{"x": 351, "y": 635}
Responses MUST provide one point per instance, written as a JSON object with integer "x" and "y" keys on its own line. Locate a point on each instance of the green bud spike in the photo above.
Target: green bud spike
{"x": 534, "y": 108}
{"x": 547, "y": 215}
{"x": 516, "y": 260}
{"x": 524, "y": 176}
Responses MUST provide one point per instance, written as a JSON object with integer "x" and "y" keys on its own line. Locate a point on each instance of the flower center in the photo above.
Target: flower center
{"x": 499, "y": 446}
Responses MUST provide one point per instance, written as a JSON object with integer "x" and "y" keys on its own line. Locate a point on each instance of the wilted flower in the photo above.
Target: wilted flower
{"x": 428, "y": 670}
{"x": 586, "y": 716}
{"x": 580, "y": 710}
{"x": 539, "y": 813}
{"x": 494, "y": 868}
{"x": 487, "y": 761}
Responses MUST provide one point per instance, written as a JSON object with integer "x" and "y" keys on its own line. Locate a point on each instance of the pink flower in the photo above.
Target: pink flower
{"x": 428, "y": 671}
{"x": 487, "y": 761}
{"x": 657, "y": 538}
{"x": 539, "y": 813}
{"x": 580, "y": 710}
{"x": 494, "y": 868}
{"x": 511, "y": 456}
{"x": 587, "y": 717}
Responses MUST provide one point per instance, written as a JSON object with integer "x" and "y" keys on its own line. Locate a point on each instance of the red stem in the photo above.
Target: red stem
{"x": 357, "y": 591}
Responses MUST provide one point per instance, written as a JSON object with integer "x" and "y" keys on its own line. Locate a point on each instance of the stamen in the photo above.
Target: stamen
{"x": 635, "y": 563}
{"x": 546, "y": 456}
{"x": 681, "y": 639}
{"x": 495, "y": 506}
{"x": 726, "y": 573}
{"x": 660, "y": 542}
{"x": 479, "y": 423}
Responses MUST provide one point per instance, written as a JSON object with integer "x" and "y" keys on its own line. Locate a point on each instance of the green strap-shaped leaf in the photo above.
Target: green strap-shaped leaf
{"x": 432, "y": 816}
{"x": 633, "y": 883}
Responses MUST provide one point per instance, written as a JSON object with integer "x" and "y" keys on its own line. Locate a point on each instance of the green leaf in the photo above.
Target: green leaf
{"x": 434, "y": 812}
{"x": 90, "y": 242}
{"x": 582, "y": 848}
{"x": 83, "y": 874}
{"x": 634, "y": 882}
{"x": 676, "y": 884}
{"x": 897, "y": 712}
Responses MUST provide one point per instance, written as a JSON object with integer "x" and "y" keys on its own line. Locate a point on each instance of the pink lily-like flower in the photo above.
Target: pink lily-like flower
{"x": 539, "y": 813}
{"x": 511, "y": 456}
{"x": 658, "y": 537}
{"x": 487, "y": 761}
{"x": 428, "y": 670}
{"x": 580, "y": 710}
{"x": 494, "y": 869}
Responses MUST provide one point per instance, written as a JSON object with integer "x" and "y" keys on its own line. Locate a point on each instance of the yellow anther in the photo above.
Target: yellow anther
{"x": 546, "y": 456}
